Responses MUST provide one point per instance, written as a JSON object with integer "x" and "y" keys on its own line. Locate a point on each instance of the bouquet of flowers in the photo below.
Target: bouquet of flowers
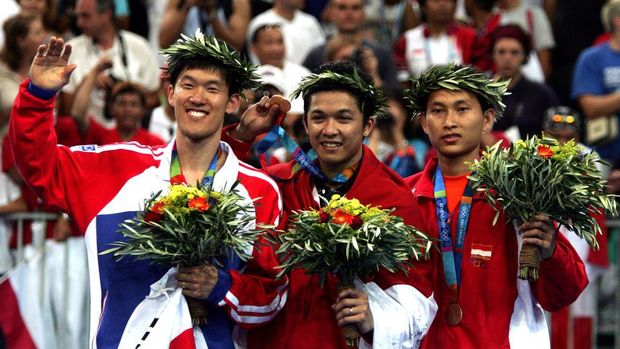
{"x": 189, "y": 226}
{"x": 349, "y": 239}
{"x": 542, "y": 176}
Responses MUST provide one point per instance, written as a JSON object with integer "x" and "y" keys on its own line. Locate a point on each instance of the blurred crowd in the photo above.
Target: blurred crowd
{"x": 563, "y": 59}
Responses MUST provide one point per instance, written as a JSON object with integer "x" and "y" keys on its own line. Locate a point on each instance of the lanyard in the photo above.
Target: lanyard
{"x": 207, "y": 180}
{"x": 305, "y": 160}
{"x": 451, "y": 255}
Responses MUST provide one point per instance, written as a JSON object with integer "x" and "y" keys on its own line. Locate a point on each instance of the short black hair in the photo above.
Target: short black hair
{"x": 125, "y": 87}
{"x": 367, "y": 106}
{"x": 486, "y": 5}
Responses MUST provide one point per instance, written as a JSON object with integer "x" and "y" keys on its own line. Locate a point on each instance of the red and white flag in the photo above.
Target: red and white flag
{"x": 162, "y": 320}
{"x": 20, "y": 306}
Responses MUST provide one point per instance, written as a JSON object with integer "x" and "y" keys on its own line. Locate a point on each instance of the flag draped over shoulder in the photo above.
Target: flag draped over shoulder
{"x": 162, "y": 320}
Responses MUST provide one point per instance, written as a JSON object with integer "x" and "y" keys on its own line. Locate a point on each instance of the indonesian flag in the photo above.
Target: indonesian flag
{"x": 20, "y": 306}
{"x": 162, "y": 320}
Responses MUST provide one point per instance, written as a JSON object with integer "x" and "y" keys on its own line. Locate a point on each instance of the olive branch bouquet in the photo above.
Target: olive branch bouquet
{"x": 189, "y": 226}
{"x": 539, "y": 175}
{"x": 349, "y": 240}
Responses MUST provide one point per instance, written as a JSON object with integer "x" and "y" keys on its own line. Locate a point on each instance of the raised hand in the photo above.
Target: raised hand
{"x": 50, "y": 68}
{"x": 260, "y": 117}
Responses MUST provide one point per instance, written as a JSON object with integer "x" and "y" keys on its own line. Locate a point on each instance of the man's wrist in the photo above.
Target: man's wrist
{"x": 239, "y": 134}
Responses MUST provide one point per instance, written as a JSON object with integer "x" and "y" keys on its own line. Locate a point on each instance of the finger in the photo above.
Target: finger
{"x": 348, "y": 293}
{"x": 349, "y": 303}
{"x": 540, "y": 225}
{"x": 41, "y": 50}
{"x": 346, "y": 312}
{"x": 56, "y": 47}
{"x": 66, "y": 52}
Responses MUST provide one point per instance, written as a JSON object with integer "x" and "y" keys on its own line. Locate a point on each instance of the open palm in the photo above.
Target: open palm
{"x": 50, "y": 68}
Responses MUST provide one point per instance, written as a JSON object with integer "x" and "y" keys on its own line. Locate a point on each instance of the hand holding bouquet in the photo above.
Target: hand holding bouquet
{"x": 189, "y": 226}
{"x": 350, "y": 240}
{"x": 541, "y": 176}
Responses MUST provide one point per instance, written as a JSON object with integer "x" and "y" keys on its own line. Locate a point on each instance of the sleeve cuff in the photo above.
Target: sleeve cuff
{"x": 42, "y": 93}
{"x": 221, "y": 287}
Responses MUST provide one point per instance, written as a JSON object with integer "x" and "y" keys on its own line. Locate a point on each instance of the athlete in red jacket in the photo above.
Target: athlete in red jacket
{"x": 338, "y": 115}
{"x": 487, "y": 306}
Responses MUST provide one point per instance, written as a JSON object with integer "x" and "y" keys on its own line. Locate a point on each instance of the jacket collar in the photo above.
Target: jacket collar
{"x": 425, "y": 186}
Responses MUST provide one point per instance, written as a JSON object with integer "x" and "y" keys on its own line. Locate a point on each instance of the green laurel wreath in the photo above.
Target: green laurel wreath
{"x": 208, "y": 47}
{"x": 455, "y": 77}
{"x": 367, "y": 91}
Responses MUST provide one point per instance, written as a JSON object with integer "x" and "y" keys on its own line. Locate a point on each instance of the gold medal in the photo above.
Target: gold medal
{"x": 454, "y": 314}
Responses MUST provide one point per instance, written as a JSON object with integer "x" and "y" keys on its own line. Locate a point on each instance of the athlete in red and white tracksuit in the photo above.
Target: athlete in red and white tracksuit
{"x": 100, "y": 187}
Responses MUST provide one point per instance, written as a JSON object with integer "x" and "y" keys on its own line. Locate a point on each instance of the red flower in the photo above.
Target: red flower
{"x": 199, "y": 203}
{"x": 158, "y": 207}
{"x": 357, "y": 222}
{"x": 341, "y": 217}
{"x": 323, "y": 217}
{"x": 544, "y": 152}
{"x": 178, "y": 179}
{"x": 152, "y": 216}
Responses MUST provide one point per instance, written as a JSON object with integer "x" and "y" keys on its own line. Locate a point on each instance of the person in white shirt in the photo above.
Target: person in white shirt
{"x": 302, "y": 32}
{"x": 129, "y": 52}
{"x": 268, "y": 45}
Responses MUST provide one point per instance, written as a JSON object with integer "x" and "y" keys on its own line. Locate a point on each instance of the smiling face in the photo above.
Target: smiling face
{"x": 200, "y": 100}
{"x": 336, "y": 129}
{"x": 455, "y": 123}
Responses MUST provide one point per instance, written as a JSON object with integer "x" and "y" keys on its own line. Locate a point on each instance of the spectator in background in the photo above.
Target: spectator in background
{"x": 528, "y": 100}
{"x": 128, "y": 52}
{"x": 387, "y": 19}
{"x": 576, "y": 25}
{"x": 302, "y": 32}
{"x": 268, "y": 46}
{"x": 45, "y": 10}
{"x": 596, "y": 80}
{"x": 24, "y": 33}
{"x": 162, "y": 122}
{"x": 534, "y": 21}
{"x": 484, "y": 21}
{"x": 348, "y": 17}
{"x": 126, "y": 105}
{"x": 9, "y": 9}
{"x": 389, "y": 142}
{"x": 437, "y": 41}
{"x": 563, "y": 124}
{"x": 227, "y": 20}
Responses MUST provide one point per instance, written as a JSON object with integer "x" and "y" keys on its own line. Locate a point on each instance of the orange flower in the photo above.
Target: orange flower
{"x": 341, "y": 217}
{"x": 198, "y": 203}
{"x": 544, "y": 152}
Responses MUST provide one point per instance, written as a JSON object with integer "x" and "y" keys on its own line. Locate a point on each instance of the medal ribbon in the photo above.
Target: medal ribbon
{"x": 305, "y": 160}
{"x": 207, "y": 179}
{"x": 452, "y": 256}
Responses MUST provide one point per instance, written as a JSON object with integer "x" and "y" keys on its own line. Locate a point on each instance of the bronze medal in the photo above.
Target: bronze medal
{"x": 454, "y": 314}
